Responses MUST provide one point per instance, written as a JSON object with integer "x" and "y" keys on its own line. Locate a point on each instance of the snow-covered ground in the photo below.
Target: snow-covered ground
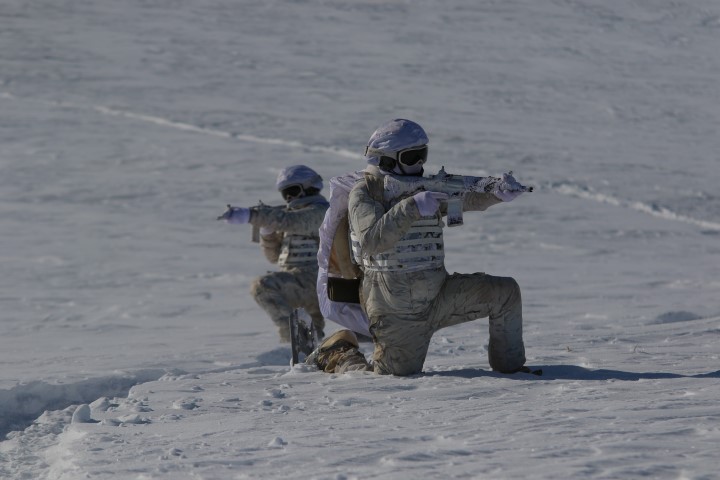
{"x": 126, "y": 126}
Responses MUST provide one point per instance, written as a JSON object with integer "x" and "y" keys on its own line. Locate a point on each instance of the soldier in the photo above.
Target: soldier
{"x": 289, "y": 238}
{"x": 406, "y": 292}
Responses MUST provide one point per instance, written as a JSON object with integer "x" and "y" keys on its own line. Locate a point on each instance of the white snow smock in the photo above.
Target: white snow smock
{"x": 348, "y": 315}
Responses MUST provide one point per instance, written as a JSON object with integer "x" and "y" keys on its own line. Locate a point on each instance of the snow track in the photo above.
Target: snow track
{"x": 588, "y": 193}
{"x": 21, "y": 405}
{"x": 164, "y": 122}
{"x": 563, "y": 188}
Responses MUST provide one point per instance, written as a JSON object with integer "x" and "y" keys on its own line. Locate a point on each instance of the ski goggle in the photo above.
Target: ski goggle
{"x": 407, "y": 156}
{"x": 292, "y": 192}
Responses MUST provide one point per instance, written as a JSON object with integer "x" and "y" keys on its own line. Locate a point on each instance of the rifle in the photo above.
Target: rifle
{"x": 259, "y": 207}
{"x": 456, "y": 186}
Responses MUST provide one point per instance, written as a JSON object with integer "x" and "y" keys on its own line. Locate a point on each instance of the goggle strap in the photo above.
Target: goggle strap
{"x": 376, "y": 152}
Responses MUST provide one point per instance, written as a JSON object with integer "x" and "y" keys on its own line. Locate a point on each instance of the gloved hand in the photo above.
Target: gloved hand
{"x": 265, "y": 231}
{"x": 429, "y": 202}
{"x": 506, "y": 195}
{"x": 236, "y": 215}
{"x": 508, "y": 189}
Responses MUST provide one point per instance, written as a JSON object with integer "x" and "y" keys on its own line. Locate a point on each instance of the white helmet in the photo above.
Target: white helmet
{"x": 295, "y": 181}
{"x": 398, "y": 146}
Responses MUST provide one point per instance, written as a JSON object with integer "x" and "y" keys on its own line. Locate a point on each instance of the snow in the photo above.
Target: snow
{"x": 130, "y": 347}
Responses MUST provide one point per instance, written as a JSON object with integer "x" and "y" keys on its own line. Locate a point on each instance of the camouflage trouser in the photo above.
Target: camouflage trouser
{"x": 279, "y": 293}
{"x": 405, "y": 310}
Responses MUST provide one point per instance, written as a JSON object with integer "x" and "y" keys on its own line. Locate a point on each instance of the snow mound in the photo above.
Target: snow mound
{"x": 22, "y": 404}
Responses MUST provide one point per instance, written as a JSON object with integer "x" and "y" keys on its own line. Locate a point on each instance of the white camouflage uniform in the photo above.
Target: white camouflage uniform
{"x": 406, "y": 292}
{"x": 289, "y": 238}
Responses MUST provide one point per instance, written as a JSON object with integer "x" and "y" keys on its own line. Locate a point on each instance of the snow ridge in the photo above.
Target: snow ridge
{"x": 21, "y": 405}
{"x": 563, "y": 188}
{"x": 114, "y": 112}
{"x": 654, "y": 210}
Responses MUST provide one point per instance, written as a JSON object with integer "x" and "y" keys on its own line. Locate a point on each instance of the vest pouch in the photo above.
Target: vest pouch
{"x": 344, "y": 290}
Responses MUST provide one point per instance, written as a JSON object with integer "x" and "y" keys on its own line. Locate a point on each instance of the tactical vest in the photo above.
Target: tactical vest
{"x": 297, "y": 250}
{"x": 421, "y": 248}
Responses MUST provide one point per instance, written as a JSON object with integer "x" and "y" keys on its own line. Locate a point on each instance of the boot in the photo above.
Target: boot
{"x": 338, "y": 353}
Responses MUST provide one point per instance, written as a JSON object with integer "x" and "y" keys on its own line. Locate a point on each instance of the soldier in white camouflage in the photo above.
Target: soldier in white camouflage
{"x": 288, "y": 235}
{"x": 406, "y": 292}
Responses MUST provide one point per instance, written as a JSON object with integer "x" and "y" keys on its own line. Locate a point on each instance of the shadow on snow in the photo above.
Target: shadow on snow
{"x": 569, "y": 372}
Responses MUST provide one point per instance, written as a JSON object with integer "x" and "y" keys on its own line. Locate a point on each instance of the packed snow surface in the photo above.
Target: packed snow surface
{"x": 129, "y": 344}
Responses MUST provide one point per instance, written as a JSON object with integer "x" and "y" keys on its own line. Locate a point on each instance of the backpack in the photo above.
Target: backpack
{"x": 339, "y": 277}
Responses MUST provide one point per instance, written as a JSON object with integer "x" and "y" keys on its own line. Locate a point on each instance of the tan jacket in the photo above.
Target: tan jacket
{"x": 297, "y": 221}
